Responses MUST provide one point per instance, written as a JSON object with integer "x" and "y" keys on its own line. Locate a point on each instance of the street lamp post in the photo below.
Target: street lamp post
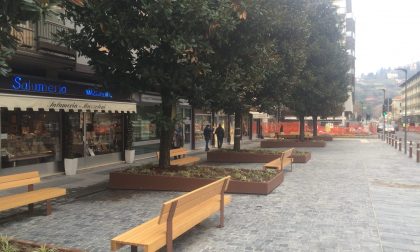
{"x": 405, "y": 108}
{"x": 383, "y": 127}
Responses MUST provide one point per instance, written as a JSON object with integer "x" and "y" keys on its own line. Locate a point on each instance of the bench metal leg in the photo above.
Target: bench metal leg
{"x": 31, "y": 209}
{"x": 222, "y": 205}
{"x": 49, "y": 208}
{"x": 169, "y": 228}
{"x": 30, "y": 206}
{"x": 133, "y": 248}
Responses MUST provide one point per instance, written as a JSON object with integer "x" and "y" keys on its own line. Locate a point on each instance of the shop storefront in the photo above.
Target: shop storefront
{"x": 145, "y": 130}
{"x": 44, "y": 121}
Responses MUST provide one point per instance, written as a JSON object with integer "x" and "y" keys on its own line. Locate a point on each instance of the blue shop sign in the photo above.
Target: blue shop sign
{"x": 32, "y": 85}
{"x": 21, "y": 84}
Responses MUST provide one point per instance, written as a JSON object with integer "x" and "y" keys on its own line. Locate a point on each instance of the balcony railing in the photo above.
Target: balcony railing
{"x": 26, "y": 36}
{"x": 41, "y": 38}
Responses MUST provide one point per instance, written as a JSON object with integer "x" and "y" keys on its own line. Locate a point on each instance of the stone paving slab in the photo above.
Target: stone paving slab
{"x": 352, "y": 195}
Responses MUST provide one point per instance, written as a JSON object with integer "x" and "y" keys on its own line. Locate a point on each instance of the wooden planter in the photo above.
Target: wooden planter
{"x": 302, "y": 158}
{"x": 291, "y": 143}
{"x": 34, "y": 245}
{"x": 324, "y": 137}
{"x": 121, "y": 180}
{"x": 240, "y": 157}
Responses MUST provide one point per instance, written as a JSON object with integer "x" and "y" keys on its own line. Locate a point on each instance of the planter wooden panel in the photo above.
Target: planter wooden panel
{"x": 291, "y": 143}
{"x": 121, "y": 180}
{"x": 31, "y": 246}
{"x": 240, "y": 157}
{"x": 302, "y": 158}
{"x": 324, "y": 138}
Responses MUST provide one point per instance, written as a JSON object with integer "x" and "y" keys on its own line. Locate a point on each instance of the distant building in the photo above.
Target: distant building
{"x": 344, "y": 8}
{"x": 413, "y": 99}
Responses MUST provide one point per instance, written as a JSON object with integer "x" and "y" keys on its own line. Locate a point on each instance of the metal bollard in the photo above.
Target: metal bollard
{"x": 396, "y": 143}
{"x": 410, "y": 150}
{"x": 399, "y": 144}
{"x": 393, "y": 140}
{"x": 418, "y": 156}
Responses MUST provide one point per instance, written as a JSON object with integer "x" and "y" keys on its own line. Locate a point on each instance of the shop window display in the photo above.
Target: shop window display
{"x": 144, "y": 126}
{"x": 103, "y": 133}
{"x": 29, "y": 137}
{"x": 201, "y": 120}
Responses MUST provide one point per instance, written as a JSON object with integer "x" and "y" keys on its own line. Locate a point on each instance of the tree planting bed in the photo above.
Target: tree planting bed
{"x": 292, "y": 143}
{"x": 186, "y": 179}
{"x": 253, "y": 156}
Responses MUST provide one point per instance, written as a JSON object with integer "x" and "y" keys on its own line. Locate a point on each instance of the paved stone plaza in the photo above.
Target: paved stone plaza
{"x": 354, "y": 195}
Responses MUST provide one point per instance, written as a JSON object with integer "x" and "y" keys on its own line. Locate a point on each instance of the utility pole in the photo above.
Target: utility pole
{"x": 405, "y": 108}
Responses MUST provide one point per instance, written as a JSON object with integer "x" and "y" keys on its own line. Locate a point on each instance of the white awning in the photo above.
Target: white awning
{"x": 24, "y": 102}
{"x": 258, "y": 115}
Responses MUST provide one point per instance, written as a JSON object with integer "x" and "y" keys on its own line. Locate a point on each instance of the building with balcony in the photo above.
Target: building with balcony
{"x": 54, "y": 107}
{"x": 413, "y": 100}
{"x": 344, "y": 9}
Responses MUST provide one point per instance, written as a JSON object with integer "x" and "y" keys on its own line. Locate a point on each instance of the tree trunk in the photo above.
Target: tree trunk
{"x": 213, "y": 127}
{"x": 315, "y": 125}
{"x": 302, "y": 128}
{"x": 238, "y": 132}
{"x": 166, "y": 131}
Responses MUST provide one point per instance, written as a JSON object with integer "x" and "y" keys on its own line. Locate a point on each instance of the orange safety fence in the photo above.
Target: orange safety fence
{"x": 290, "y": 128}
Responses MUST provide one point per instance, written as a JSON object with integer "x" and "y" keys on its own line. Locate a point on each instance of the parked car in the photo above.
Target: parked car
{"x": 388, "y": 128}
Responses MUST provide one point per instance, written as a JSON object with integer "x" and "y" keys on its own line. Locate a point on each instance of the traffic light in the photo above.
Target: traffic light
{"x": 384, "y": 110}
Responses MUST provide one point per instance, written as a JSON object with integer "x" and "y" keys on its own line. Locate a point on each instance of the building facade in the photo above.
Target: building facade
{"x": 344, "y": 8}
{"x": 413, "y": 100}
{"x": 52, "y": 107}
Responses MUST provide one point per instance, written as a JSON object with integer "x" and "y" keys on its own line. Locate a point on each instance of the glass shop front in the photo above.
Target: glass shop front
{"x": 39, "y": 128}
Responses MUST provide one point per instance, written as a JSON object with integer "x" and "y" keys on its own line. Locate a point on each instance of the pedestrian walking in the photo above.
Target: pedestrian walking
{"x": 207, "y": 135}
{"x": 220, "y": 133}
{"x": 281, "y": 130}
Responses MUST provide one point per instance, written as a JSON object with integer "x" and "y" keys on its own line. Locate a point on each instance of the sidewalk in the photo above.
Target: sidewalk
{"x": 354, "y": 195}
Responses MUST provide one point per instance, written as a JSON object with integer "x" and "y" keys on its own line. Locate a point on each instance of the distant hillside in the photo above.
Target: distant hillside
{"x": 368, "y": 88}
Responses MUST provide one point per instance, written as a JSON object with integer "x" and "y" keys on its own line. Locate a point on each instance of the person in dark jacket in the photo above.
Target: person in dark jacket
{"x": 220, "y": 133}
{"x": 207, "y": 135}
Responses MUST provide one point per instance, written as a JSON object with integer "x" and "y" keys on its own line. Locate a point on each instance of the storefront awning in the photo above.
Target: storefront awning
{"x": 258, "y": 115}
{"x": 24, "y": 102}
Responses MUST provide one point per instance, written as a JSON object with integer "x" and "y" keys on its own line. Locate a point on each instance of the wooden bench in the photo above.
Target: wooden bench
{"x": 31, "y": 196}
{"x": 176, "y": 217}
{"x": 281, "y": 162}
{"x": 182, "y": 158}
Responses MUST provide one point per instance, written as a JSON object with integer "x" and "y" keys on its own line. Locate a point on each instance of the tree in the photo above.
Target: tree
{"x": 150, "y": 46}
{"x": 322, "y": 88}
{"x": 13, "y": 13}
{"x": 242, "y": 61}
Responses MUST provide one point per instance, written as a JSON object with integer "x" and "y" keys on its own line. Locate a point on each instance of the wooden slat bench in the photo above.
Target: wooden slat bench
{"x": 183, "y": 160}
{"x": 176, "y": 217}
{"x": 31, "y": 196}
{"x": 281, "y": 162}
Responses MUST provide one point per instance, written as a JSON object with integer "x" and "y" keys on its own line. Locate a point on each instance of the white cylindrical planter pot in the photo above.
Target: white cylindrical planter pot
{"x": 129, "y": 156}
{"x": 70, "y": 166}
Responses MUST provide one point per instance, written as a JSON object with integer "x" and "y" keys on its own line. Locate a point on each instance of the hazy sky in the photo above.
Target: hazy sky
{"x": 387, "y": 33}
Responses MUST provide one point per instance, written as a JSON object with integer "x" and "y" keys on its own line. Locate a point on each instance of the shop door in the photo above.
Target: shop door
{"x": 186, "y": 129}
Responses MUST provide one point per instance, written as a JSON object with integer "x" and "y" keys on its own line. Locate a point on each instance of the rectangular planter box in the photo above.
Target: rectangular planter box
{"x": 291, "y": 143}
{"x": 120, "y": 180}
{"x": 302, "y": 158}
{"x": 240, "y": 157}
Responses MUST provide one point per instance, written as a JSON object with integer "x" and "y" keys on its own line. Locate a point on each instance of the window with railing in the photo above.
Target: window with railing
{"x": 47, "y": 29}
{"x": 25, "y": 35}
{"x": 41, "y": 36}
